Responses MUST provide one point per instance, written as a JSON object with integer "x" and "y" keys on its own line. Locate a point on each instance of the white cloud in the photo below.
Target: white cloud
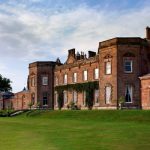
{"x": 41, "y": 35}
{"x": 24, "y": 32}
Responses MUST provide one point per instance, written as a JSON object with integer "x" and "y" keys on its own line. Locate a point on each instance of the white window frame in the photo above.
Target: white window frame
{"x": 85, "y": 75}
{"x": 108, "y": 93}
{"x": 65, "y": 97}
{"x": 131, "y": 66}
{"x": 74, "y": 77}
{"x": 108, "y": 66}
{"x": 96, "y": 73}
{"x": 75, "y": 96}
{"x": 65, "y": 78}
{"x": 96, "y": 96}
{"x": 130, "y": 88}
{"x": 44, "y": 80}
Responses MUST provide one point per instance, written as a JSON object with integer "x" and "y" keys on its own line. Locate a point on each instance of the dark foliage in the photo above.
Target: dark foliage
{"x": 5, "y": 84}
{"x": 89, "y": 87}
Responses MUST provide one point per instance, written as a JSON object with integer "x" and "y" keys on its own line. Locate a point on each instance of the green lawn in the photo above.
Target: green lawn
{"x": 77, "y": 130}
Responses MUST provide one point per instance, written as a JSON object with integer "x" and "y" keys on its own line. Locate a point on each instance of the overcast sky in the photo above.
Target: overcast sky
{"x": 37, "y": 30}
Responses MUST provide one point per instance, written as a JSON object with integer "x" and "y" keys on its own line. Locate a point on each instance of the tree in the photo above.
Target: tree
{"x": 5, "y": 84}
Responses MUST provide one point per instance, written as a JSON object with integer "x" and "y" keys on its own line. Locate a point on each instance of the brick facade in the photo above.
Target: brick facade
{"x": 76, "y": 64}
{"x": 119, "y": 52}
{"x": 115, "y": 67}
{"x": 38, "y": 90}
{"x": 21, "y": 100}
{"x": 145, "y": 91}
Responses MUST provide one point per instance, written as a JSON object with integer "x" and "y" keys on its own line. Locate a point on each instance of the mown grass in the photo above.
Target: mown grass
{"x": 76, "y": 130}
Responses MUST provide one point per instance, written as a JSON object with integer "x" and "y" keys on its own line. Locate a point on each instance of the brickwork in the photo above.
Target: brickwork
{"x": 116, "y": 51}
{"x": 21, "y": 100}
{"x": 119, "y": 61}
{"x": 145, "y": 91}
{"x": 37, "y": 71}
{"x": 74, "y": 65}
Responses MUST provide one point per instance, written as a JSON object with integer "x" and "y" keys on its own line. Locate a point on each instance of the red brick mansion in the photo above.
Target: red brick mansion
{"x": 118, "y": 71}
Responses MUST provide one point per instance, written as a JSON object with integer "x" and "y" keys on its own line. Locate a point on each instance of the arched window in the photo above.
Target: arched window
{"x": 108, "y": 93}
{"x": 108, "y": 64}
{"x": 129, "y": 93}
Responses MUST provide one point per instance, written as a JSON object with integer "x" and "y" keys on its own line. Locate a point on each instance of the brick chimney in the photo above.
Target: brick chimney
{"x": 71, "y": 52}
{"x": 148, "y": 33}
{"x": 91, "y": 54}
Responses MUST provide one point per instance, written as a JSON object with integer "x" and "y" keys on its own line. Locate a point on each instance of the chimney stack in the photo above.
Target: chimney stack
{"x": 91, "y": 54}
{"x": 71, "y": 52}
{"x": 148, "y": 33}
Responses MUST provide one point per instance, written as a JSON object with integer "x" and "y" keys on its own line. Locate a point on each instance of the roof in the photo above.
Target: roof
{"x": 147, "y": 76}
{"x": 6, "y": 95}
{"x": 123, "y": 41}
{"x": 42, "y": 63}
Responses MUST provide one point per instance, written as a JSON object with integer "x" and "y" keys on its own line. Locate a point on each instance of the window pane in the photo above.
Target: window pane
{"x": 65, "y": 79}
{"x": 75, "y": 77}
{"x": 129, "y": 93}
{"x": 74, "y": 96}
{"x": 108, "y": 94}
{"x": 65, "y": 97}
{"x": 96, "y": 74}
{"x": 44, "y": 98}
{"x": 96, "y": 96}
{"x": 44, "y": 80}
{"x": 128, "y": 66}
{"x": 108, "y": 67}
{"x": 85, "y": 75}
